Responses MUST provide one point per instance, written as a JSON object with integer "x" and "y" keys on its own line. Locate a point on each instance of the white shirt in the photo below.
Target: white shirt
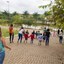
{"x": 60, "y": 34}
{"x": 21, "y": 31}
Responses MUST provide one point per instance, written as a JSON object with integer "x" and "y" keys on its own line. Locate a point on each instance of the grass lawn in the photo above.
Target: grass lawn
{"x": 5, "y": 32}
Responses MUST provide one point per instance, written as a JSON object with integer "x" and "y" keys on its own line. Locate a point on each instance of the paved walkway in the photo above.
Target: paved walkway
{"x": 34, "y": 54}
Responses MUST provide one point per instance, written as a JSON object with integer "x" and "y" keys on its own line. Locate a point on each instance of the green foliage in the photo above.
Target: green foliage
{"x": 35, "y": 15}
{"x": 57, "y": 12}
{"x": 2, "y": 21}
{"x": 25, "y": 14}
{"x": 28, "y": 22}
{"x": 17, "y": 19}
{"x": 45, "y": 6}
{"x": 14, "y": 13}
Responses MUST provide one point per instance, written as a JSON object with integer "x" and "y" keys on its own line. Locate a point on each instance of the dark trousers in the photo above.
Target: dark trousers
{"x": 11, "y": 37}
{"x": 47, "y": 41}
{"x": 60, "y": 39}
{"x": 20, "y": 37}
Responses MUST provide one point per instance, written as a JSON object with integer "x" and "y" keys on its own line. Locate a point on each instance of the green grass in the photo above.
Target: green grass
{"x": 5, "y": 32}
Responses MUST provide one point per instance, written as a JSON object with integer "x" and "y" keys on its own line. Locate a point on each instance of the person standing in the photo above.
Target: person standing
{"x": 11, "y": 33}
{"x": 54, "y": 33}
{"x": 40, "y": 38}
{"x": 20, "y": 34}
{"x": 32, "y": 37}
{"x": 2, "y": 48}
{"x": 26, "y": 37}
{"x": 61, "y": 36}
{"x": 58, "y": 32}
{"x": 47, "y": 37}
{"x": 44, "y": 34}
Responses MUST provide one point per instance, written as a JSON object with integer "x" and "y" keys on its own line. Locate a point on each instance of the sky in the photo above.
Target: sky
{"x": 20, "y": 6}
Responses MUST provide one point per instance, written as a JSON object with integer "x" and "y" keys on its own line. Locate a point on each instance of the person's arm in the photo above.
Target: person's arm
{"x": 29, "y": 36}
{"x": 4, "y": 43}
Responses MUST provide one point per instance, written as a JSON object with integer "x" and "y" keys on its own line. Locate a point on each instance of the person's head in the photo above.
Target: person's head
{"x": 26, "y": 30}
{"x": 32, "y": 33}
{"x": 22, "y": 27}
{"x": 11, "y": 25}
{"x": 61, "y": 30}
{"x": 44, "y": 27}
{"x": 48, "y": 29}
{"x": 40, "y": 33}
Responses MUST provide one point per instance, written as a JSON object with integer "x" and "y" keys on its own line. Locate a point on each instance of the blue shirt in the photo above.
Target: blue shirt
{"x": 40, "y": 37}
{"x": 1, "y": 46}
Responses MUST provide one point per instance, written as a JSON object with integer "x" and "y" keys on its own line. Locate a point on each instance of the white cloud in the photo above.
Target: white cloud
{"x": 22, "y": 5}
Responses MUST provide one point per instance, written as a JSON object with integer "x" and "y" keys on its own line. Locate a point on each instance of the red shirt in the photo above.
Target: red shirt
{"x": 32, "y": 36}
{"x": 26, "y": 35}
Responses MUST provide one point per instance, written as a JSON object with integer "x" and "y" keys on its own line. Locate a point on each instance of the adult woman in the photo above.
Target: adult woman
{"x": 61, "y": 36}
{"x": 20, "y": 34}
{"x": 47, "y": 36}
{"x": 11, "y": 33}
{"x": 2, "y": 50}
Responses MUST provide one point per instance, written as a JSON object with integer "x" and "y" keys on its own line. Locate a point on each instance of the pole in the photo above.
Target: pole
{"x": 8, "y": 11}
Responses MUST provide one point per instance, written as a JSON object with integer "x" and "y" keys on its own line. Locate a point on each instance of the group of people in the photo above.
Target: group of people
{"x": 22, "y": 34}
{"x": 44, "y": 36}
{"x": 25, "y": 34}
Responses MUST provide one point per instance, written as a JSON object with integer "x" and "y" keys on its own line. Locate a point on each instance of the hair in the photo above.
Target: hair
{"x": 40, "y": 33}
{"x": 48, "y": 29}
{"x": 26, "y": 32}
{"x": 22, "y": 27}
{"x": 32, "y": 33}
{"x": 44, "y": 27}
{"x": 62, "y": 31}
{"x": 11, "y": 25}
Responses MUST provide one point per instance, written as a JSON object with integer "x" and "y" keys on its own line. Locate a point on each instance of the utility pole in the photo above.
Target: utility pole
{"x": 8, "y": 12}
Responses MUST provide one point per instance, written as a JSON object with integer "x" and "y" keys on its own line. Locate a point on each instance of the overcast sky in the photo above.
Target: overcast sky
{"x": 24, "y": 5}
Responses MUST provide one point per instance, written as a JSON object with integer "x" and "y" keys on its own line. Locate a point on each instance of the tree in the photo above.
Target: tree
{"x": 35, "y": 17}
{"x": 14, "y": 13}
{"x": 26, "y": 14}
{"x": 17, "y": 19}
{"x": 57, "y": 12}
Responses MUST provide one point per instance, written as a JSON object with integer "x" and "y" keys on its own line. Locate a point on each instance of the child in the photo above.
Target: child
{"x": 40, "y": 38}
{"x": 26, "y": 37}
{"x": 54, "y": 34}
{"x": 37, "y": 33}
{"x": 32, "y": 38}
{"x": 44, "y": 34}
